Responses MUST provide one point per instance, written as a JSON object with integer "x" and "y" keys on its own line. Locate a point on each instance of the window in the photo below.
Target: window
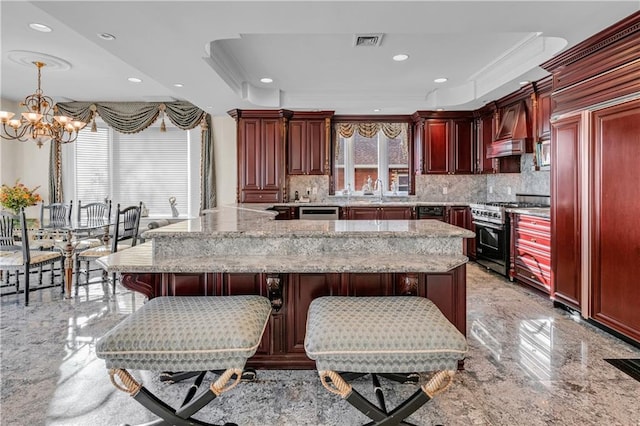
{"x": 149, "y": 166}
{"x": 371, "y": 150}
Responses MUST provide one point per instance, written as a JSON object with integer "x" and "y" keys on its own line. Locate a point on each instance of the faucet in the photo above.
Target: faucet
{"x": 380, "y": 188}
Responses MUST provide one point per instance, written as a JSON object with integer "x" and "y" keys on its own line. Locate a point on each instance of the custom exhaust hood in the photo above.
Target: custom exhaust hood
{"x": 514, "y": 135}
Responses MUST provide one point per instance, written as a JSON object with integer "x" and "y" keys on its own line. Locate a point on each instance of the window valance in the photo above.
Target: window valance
{"x": 134, "y": 117}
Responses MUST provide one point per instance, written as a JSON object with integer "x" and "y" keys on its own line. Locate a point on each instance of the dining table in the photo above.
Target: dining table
{"x": 69, "y": 238}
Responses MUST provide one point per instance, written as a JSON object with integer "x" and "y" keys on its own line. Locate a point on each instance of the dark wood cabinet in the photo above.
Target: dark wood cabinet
{"x": 282, "y": 345}
{"x": 380, "y": 213}
{"x": 447, "y": 145}
{"x": 485, "y": 133}
{"x": 307, "y": 144}
{"x": 531, "y": 252}
{"x": 543, "y": 117}
{"x": 565, "y": 210}
{"x": 461, "y": 216}
{"x": 615, "y": 234}
{"x": 261, "y": 137}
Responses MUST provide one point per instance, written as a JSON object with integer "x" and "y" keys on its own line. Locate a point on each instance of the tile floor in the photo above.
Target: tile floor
{"x": 529, "y": 364}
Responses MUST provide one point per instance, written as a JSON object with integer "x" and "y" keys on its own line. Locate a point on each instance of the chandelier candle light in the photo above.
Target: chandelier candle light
{"x": 38, "y": 123}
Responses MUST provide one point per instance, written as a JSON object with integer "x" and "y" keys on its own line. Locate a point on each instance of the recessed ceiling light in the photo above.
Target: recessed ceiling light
{"x": 134, "y": 80}
{"x": 178, "y": 85}
{"x": 376, "y": 110}
{"x": 524, "y": 82}
{"x": 440, "y": 109}
{"x": 40, "y": 27}
{"x": 107, "y": 36}
{"x": 440, "y": 80}
{"x": 401, "y": 57}
{"x": 266, "y": 80}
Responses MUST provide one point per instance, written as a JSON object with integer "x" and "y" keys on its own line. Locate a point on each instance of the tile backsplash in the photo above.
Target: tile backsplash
{"x": 450, "y": 188}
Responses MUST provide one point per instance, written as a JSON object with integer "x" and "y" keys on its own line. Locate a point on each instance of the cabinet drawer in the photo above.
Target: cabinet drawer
{"x": 533, "y": 223}
{"x": 529, "y": 272}
{"x": 532, "y": 255}
{"x": 260, "y": 196}
{"x": 539, "y": 241}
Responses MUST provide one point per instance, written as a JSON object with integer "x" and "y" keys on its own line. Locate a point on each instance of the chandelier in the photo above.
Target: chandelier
{"x": 39, "y": 123}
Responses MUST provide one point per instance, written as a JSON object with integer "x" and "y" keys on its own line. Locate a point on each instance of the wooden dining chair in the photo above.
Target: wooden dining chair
{"x": 124, "y": 235}
{"x": 17, "y": 256}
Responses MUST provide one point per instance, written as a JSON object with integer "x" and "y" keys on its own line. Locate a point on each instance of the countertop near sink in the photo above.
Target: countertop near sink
{"x": 361, "y": 203}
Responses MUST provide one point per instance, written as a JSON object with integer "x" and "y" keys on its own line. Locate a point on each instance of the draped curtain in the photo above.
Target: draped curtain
{"x": 369, "y": 130}
{"x": 134, "y": 117}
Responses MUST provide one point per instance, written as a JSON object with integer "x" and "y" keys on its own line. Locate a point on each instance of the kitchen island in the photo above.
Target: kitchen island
{"x": 240, "y": 250}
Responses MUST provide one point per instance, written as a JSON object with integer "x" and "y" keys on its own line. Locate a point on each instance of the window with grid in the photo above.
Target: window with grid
{"x": 359, "y": 158}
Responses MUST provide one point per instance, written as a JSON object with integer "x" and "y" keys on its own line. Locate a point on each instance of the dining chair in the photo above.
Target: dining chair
{"x": 17, "y": 255}
{"x": 124, "y": 235}
{"x": 89, "y": 215}
{"x": 59, "y": 214}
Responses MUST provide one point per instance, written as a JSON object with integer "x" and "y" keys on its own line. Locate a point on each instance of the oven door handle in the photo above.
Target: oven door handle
{"x": 489, "y": 225}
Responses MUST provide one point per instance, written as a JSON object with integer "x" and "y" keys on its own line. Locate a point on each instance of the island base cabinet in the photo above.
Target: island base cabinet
{"x": 282, "y": 346}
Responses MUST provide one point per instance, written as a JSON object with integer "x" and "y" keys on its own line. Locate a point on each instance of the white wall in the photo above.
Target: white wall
{"x": 224, "y": 141}
{"x": 24, "y": 161}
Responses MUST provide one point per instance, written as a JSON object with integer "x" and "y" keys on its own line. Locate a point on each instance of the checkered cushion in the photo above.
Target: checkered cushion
{"x": 187, "y": 333}
{"x": 381, "y": 335}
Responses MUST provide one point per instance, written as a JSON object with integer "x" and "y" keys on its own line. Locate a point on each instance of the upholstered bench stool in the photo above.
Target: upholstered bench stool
{"x": 187, "y": 333}
{"x": 398, "y": 338}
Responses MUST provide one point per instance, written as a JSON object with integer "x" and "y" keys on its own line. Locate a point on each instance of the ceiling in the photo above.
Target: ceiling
{"x": 219, "y": 51}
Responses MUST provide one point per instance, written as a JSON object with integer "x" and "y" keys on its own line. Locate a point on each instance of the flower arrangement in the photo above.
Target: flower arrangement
{"x": 15, "y": 197}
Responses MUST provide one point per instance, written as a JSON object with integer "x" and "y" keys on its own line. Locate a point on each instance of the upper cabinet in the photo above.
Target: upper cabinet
{"x": 261, "y": 173}
{"x": 447, "y": 143}
{"x": 307, "y": 143}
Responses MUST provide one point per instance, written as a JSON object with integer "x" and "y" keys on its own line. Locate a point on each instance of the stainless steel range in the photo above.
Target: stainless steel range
{"x": 493, "y": 229}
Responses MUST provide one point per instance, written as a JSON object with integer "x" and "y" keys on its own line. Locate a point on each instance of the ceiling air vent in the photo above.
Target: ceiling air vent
{"x": 367, "y": 40}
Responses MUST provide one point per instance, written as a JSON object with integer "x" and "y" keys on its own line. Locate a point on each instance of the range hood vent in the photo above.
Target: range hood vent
{"x": 513, "y": 137}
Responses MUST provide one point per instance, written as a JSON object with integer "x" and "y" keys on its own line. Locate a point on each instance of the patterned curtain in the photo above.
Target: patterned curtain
{"x": 55, "y": 173}
{"x": 134, "y": 117}
{"x": 369, "y": 130}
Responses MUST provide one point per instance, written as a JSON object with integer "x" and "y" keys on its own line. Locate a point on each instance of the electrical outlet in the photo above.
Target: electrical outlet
{"x": 444, "y": 190}
{"x": 314, "y": 191}
{"x": 508, "y": 190}
{"x": 491, "y": 190}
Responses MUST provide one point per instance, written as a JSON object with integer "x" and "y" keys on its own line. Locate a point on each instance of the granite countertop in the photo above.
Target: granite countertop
{"x": 248, "y": 239}
{"x": 367, "y": 202}
{"x": 139, "y": 259}
{"x": 533, "y": 211}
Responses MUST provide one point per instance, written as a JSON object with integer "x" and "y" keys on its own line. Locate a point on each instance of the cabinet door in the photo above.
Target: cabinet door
{"x": 615, "y": 255}
{"x": 369, "y": 284}
{"x": 395, "y": 213}
{"x": 436, "y": 146}
{"x": 462, "y": 140}
{"x": 565, "y": 210}
{"x": 301, "y": 290}
{"x": 196, "y": 284}
{"x": 250, "y": 154}
{"x": 316, "y": 147}
{"x": 543, "y": 116}
{"x": 460, "y": 216}
{"x": 485, "y": 137}
{"x": 296, "y": 147}
{"x": 363, "y": 213}
{"x": 271, "y": 153}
